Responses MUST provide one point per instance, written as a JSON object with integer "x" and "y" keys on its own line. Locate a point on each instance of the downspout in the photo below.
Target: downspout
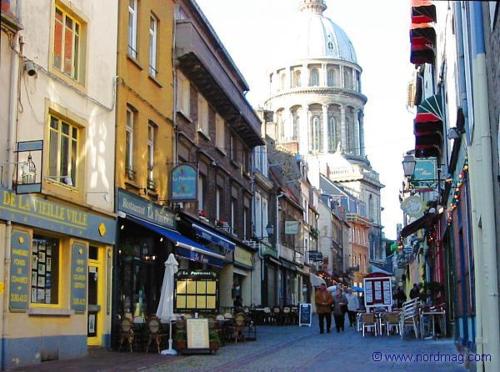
{"x": 174, "y": 87}
{"x": 482, "y": 173}
{"x": 11, "y": 146}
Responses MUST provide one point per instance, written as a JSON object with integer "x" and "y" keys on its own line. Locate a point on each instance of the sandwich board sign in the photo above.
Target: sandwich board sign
{"x": 305, "y": 315}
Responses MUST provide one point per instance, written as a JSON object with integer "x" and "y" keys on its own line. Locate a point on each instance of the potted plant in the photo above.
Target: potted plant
{"x": 214, "y": 341}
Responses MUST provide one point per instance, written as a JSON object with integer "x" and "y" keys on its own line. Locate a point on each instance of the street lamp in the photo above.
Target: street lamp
{"x": 409, "y": 163}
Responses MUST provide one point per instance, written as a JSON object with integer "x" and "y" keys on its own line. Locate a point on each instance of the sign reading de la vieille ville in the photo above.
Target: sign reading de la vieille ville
{"x": 35, "y": 210}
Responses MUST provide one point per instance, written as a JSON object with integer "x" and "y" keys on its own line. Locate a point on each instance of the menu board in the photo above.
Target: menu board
{"x": 197, "y": 334}
{"x": 79, "y": 277}
{"x": 378, "y": 291}
{"x": 196, "y": 291}
{"x": 305, "y": 315}
{"x": 19, "y": 271}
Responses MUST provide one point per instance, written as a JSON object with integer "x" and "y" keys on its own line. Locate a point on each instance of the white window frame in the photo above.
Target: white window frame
{"x": 202, "y": 115}
{"x": 258, "y": 215}
{"x": 265, "y": 216}
{"x": 245, "y": 220}
{"x": 233, "y": 214}
{"x": 201, "y": 199}
{"x": 183, "y": 95}
{"x": 153, "y": 45}
{"x": 129, "y": 131}
{"x": 151, "y": 150}
{"x": 132, "y": 28}
{"x": 220, "y": 133}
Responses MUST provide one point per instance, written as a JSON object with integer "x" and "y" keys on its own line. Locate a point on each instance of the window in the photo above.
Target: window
{"x": 129, "y": 141}
{"x": 348, "y": 78}
{"x": 281, "y": 124}
{"x": 296, "y": 79}
{"x": 233, "y": 215}
{"x": 333, "y": 77}
{"x": 282, "y": 81}
{"x": 314, "y": 78}
{"x": 202, "y": 188}
{"x": 183, "y": 95}
{"x": 245, "y": 221}
{"x": 67, "y": 44}
{"x": 153, "y": 32}
{"x": 218, "y": 203}
{"x": 219, "y": 132}
{"x": 246, "y": 161}
{"x": 132, "y": 28}
{"x": 202, "y": 115}
{"x": 295, "y": 124}
{"x": 232, "y": 148}
{"x": 315, "y": 143}
{"x": 358, "y": 81}
{"x": 63, "y": 151}
{"x": 151, "y": 154}
{"x": 44, "y": 270}
{"x": 258, "y": 216}
{"x": 332, "y": 127}
{"x": 265, "y": 217}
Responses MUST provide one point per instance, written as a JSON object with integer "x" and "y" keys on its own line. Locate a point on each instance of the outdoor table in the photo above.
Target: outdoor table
{"x": 432, "y": 314}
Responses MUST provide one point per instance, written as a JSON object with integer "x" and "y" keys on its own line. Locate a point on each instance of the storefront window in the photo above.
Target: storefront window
{"x": 44, "y": 270}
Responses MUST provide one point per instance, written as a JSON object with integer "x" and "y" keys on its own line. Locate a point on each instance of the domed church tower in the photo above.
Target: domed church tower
{"x": 318, "y": 105}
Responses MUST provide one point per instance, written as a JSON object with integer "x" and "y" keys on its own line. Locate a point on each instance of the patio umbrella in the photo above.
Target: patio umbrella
{"x": 355, "y": 288}
{"x": 166, "y": 306}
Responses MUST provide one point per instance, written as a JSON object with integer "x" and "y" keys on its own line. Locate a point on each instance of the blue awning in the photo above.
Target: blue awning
{"x": 213, "y": 237}
{"x": 185, "y": 247}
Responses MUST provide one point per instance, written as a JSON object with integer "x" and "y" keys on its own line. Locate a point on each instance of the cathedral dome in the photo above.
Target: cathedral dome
{"x": 316, "y": 36}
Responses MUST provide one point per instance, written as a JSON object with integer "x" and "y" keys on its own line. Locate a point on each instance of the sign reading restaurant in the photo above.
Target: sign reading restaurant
{"x": 143, "y": 209}
{"x": 35, "y": 210}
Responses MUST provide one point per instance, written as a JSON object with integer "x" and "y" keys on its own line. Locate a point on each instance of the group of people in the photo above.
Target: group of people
{"x": 340, "y": 303}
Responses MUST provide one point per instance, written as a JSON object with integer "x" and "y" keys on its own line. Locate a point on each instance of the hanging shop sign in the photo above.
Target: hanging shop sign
{"x": 291, "y": 227}
{"x": 184, "y": 180}
{"x": 413, "y": 206}
{"x": 35, "y": 210}
{"x": 242, "y": 256}
{"x": 196, "y": 291}
{"x": 19, "y": 271}
{"x": 79, "y": 277}
{"x": 424, "y": 175}
{"x": 129, "y": 203}
{"x": 315, "y": 256}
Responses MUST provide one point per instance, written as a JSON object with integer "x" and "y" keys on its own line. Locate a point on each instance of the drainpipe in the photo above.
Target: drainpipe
{"x": 278, "y": 245}
{"x": 481, "y": 170}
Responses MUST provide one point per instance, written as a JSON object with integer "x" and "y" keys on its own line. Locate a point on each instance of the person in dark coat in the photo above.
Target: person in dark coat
{"x": 415, "y": 291}
{"x": 399, "y": 297}
{"x": 324, "y": 301}
{"x": 339, "y": 309}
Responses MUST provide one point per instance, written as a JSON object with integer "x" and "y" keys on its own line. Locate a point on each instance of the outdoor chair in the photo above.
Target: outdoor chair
{"x": 277, "y": 315}
{"x": 294, "y": 314}
{"x": 369, "y": 322}
{"x": 409, "y": 317}
{"x": 155, "y": 333}
{"x": 390, "y": 321}
{"x": 126, "y": 333}
{"x": 267, "y": 318}
{"x": 239, "y": 327}
{"x": 286, "y": 315}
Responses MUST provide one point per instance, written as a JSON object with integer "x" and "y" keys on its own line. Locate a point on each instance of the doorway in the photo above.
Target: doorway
{"x": 95, "y": 298}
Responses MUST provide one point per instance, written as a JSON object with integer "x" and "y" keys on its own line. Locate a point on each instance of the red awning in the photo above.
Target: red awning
{"x": 426, "y": 123}
{"x": 423, "y": 41}
{"x": 423, "y": 11}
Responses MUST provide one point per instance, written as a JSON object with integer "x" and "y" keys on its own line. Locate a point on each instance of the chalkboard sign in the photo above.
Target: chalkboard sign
{"x": 305, "y": 315}
{"x": 79, "y": 277}
{"x": 19, "y": 271}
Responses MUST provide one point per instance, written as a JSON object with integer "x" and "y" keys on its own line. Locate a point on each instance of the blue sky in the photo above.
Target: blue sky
{"x": 252, "y": 32}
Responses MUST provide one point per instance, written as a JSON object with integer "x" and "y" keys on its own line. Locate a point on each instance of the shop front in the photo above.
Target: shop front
{"x": 242, "y": 276}
{"x": 57, "y": 278}
{"x": 289, "y": 283}
{"x": 147, "y": 234}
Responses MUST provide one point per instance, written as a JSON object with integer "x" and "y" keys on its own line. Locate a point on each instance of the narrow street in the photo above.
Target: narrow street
{"x": 283, "y": 349}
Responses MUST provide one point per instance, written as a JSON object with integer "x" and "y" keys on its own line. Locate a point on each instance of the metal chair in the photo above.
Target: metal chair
{"x": 390, "y": 321}
{"x": 409, "y": 317}
{"x": 155, "y": 334}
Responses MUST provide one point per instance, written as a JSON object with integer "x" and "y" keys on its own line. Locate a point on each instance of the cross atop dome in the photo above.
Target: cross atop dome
{"x": 313, "y": 6}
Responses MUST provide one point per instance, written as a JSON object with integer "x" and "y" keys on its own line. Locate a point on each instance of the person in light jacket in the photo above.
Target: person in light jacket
{"x": 352, "y": 306}
{"x": 324, "y": 302}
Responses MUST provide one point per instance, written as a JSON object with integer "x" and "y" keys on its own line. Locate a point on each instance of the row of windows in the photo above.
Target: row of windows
{"x": 130, "y": 145}
{"x": 203, "y": 122}
{"x": 331, "y": 76}
{"x": 261, "y": 216}
{"x": 133, "y": 12}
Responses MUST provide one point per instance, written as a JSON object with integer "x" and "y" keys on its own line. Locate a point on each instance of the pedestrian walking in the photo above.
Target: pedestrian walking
{"x": 339, "y": 309}
{"x": 399, "y": 297}
{"x": 352, "y": 306}
{"x": 324, "y": 302}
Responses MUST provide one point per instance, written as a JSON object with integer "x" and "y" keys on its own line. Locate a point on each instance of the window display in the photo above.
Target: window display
{"x": 44, "y": 270}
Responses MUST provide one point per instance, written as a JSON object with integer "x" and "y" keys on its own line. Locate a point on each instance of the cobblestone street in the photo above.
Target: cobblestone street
{"x": 285, "y": 349}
